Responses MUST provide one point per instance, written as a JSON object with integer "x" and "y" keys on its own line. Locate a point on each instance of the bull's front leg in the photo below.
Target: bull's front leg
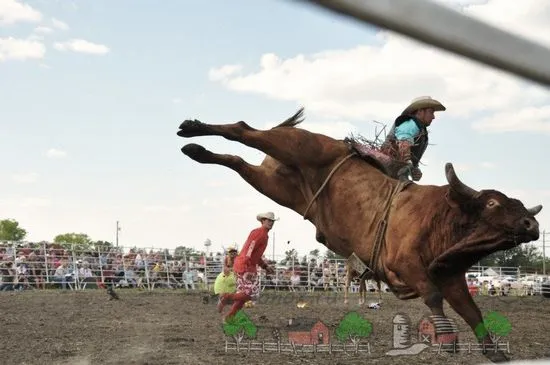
{"x": 455, "y": 292}
{"x": 416, "y": 277}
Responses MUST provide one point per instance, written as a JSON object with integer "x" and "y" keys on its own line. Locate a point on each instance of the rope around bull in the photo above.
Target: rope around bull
{"x": 326, "y": 181}
{"x": 382, "y": 224}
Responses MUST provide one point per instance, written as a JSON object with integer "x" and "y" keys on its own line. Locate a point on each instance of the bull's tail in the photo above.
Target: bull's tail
{"x": 294, "y": 120}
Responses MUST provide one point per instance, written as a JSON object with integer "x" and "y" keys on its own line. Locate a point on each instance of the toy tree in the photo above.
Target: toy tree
{"x": 238, "y": 326}
{"x": 496, "y": 324}
{"x": 353, "y": 327}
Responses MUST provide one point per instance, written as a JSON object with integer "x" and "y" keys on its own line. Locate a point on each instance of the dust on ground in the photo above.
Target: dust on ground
{"x": 179, "y": 327}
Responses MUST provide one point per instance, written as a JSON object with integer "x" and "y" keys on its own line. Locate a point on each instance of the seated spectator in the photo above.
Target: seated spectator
{"x": 8, "y": 276}
{"x": 62, "y": 274}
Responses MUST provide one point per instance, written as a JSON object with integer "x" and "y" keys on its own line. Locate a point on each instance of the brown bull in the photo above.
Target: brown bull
{"x": 433, "y": 233}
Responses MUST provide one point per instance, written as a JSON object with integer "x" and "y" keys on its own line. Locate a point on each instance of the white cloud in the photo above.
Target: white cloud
{"x": 216, "y": 184}
{"x": 82, "y": 46}
{"x": 59, "y": 24}
{"x": 25, "y": 178}
{"x": 222, "y": 73}
{"x": 21, "y": 49}
{"x": 177, "y": 100}
{"x": 32, "y": 202}
{"x": 488, "y": 165}
{"x": 43, "y": 30}
{"x": 157, "y": 209}
{"x": 55, "y": 153}
{"x": 376, "y": 81}
{"x": 12, "y": 11}
{"x": 529, "y": 118}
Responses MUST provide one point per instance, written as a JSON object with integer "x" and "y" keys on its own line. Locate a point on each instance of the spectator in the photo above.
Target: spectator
{"x": 8, "y": 276}
{"x": 62, "y": 274}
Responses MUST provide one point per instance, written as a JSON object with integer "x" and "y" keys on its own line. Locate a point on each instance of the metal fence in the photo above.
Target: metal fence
{"x": 46, "y": 265}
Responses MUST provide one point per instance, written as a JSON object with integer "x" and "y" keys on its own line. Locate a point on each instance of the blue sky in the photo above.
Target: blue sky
{"x": 93, "y": 92}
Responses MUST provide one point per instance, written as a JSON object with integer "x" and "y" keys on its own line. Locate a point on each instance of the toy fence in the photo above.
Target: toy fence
{"x": 471, "y": 347}
{"x": 291, "y": 347}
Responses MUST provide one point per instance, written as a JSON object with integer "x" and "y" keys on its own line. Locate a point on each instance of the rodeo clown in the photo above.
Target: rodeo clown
{"x": 226, "y": 281}
{"x": 245, "y": 266}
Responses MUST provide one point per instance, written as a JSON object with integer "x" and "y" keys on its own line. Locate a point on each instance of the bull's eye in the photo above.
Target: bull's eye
{"x": 492, "y": 203}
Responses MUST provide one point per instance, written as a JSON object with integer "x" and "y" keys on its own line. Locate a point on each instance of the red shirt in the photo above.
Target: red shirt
{"x": 259, "y": 237}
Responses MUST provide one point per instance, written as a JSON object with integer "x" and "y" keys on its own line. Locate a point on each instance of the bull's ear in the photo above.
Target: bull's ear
{"x": 452, "y": 198}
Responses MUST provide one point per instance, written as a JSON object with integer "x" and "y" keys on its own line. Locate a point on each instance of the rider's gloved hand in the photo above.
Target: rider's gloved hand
{"x": 416, "y": 174}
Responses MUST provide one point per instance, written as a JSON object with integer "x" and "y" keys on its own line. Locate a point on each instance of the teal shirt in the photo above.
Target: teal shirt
{"x": 407, "y": 131}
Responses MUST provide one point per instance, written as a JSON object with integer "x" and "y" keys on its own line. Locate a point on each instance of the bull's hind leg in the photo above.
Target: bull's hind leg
{"x": 286, "y": 144}
{"x": 269, "y": 179}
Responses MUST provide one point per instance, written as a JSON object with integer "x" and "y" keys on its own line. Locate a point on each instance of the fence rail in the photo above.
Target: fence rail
{"x": 291, "y": 347}
{"x": 46, "y": 265}
{"x": 471, "y": 347}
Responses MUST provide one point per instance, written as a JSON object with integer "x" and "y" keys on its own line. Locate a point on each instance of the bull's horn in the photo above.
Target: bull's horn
{"x": 535, "y": 210}
{"x": 458, "y": 185}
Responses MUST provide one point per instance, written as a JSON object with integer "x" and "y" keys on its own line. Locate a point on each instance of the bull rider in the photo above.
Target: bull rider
{"x": 408, "y": 138}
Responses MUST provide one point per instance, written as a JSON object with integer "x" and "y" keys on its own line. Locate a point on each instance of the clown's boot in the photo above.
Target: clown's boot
{"x": 238, "y": 302}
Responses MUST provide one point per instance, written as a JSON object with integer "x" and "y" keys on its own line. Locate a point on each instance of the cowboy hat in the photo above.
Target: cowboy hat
{"x": 232, "y": 248}
{"x": 268, "y": 215}
{"x": 423, "y": 102}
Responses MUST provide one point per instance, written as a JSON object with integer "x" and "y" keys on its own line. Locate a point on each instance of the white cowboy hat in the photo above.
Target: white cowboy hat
{"x": 268, "y": 215}
{"x": 423, "y": 102}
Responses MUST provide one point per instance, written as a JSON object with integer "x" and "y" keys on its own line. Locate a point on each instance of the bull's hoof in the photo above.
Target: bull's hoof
{"x": 197, "y": 152}
{"x": 496, "y": 357}
{"x": 191, "y": 128}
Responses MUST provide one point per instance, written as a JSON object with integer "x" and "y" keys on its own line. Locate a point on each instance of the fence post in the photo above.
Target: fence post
{"x": 166, "y": 266}
{"x": 147, "y": 273}
{"x": 46, "y": 264}
{"x": 100, "y": 265}
{"x": 75, "y": 269}
{"x": 308, "y": 274}
{"x": 205, "y": 266}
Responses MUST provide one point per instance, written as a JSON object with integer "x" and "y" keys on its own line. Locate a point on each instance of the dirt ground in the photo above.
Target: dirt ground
{"x": 177, "y": 327}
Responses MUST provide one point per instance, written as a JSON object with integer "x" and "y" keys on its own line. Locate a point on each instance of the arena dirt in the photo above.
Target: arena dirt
{"x": 175, "y": 327}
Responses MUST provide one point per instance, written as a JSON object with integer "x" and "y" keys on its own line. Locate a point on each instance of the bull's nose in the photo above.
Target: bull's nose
{"x": 531, "y": 225}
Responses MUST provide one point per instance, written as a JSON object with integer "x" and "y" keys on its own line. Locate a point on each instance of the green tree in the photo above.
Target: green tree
{"x": 333, "y": 256}
{"x": 524, "y": 256}
{"x": 102, "y": 246}
{"x": 496, "y": 324}
{"x": 290, "y": 255}
{"x": 181, "y": 252}
{"x": 11, "y": 231}
{"x": 353, "y": 327}
{"x": 240, "y": 325}
{"x": 81, "y": 240}
{"x": 314, "y": 253}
